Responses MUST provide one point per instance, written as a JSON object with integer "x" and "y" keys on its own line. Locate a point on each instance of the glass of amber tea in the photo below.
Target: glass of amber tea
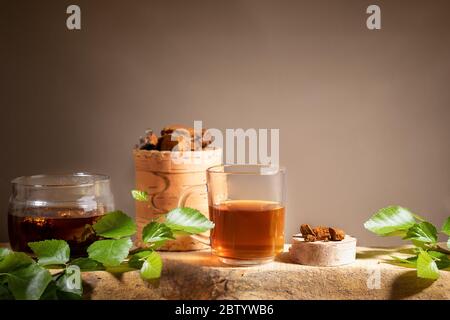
{"x": 64, "y": 206}
{"x": 247, "y": 206}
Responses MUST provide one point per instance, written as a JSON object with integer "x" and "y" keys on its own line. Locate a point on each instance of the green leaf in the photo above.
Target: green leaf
{"x": 411, "y": 261}
{"x": 51, "y": 252}
{"x": 442, "y": 260}
{"x": 418, "y": 217}
{"x": 188, "y": 220}
{"x": 69, "y": 284}
{"x": 4, "y": 252}
{"x": 448, "y": 243}
{"x": 423, "y": 232}
{"x": 152, "y": 266}
{"x": 139, "y": 195}
{"x": 110, "y": 252}
{"x": 115, "y": 225}
{"x": 14, "y": 260}
{"x": 87, "y": 264}
{"x": 419, "y": 244}
{"x": 155, "y": 232}
{"x": 29, "y": 283}
{"x": 393, "y": 220}
{"x": 137, "y": 260}
{"x": 446, "y": 227}
{"x": 50, "y": 292}
{"x": 5, "y": 294}
{"x": 426, "y": 266}
{"x": 156, "y": 245}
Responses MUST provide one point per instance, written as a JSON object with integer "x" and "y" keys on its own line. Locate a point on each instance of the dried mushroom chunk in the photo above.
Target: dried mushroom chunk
{"x": 176, "y": 137}
{"x": 337, "y": 234}
{"x": 176, "y": 127}
{"x": 310, "y": 238}
{"x": 171, "y": 142}
{"x": 321, "y": 233}
{"x": 306, "y": 229}
{"x": 149, "y": 142}
{"x": 207, "y": 139}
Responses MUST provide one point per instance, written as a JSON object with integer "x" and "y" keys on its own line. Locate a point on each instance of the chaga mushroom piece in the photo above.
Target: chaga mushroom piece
{"x": 206, "y": 138}
{"x": 176, "y": 138}
{"x": 173, "y": 127}
{"x": 308, "y": 233}
{"x": 149, "y": 142}
{"x": 337, "y": 234}
{"x": 322, "y": 233}
{"x": 310, "y": 238}
{"x": 306, "y": 229}
{"x": 168, "y": 142}
{"x": 199, "y": 140}
{"x": 152, "y": 139}
{"x": 202, "y": 141}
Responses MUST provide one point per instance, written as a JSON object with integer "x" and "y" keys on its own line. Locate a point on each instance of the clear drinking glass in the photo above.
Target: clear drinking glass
{"x": 247, "y": 206}
{"x": 61, "y": 206}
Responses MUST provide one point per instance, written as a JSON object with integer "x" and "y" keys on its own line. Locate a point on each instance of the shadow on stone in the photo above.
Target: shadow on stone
{"x": 118, "y": 272}
{"x": 283, "y": 257}
{"x": 87, "y": 290}
{"x": 154, "y": 283}
{"x": 399, "y": 263}
{"x": 377, "y": 253}
{"x": 408, "y": 285}
{"x": 371, "y": 254}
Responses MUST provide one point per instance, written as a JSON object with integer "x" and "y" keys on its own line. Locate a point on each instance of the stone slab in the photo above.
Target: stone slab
{"x": 199, "y": 275}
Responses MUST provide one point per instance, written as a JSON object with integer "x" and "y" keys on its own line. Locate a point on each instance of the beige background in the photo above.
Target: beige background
{"x": 364, "y": 115}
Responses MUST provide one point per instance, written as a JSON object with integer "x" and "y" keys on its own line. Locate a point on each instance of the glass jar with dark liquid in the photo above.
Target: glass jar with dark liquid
{"x": 57, "y": 207}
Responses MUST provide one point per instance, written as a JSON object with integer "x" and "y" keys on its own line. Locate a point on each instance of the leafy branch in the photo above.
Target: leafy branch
{"x": 399, "y": 221}
{"x": 22, "y": 277}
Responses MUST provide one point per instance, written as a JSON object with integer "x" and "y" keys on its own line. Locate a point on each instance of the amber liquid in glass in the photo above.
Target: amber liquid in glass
{"x": 72, "y": 225}
{"x": 247, "y": 229}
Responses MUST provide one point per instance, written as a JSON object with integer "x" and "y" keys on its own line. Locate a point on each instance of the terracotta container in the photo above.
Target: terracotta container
{"x": 165, "y": 175}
